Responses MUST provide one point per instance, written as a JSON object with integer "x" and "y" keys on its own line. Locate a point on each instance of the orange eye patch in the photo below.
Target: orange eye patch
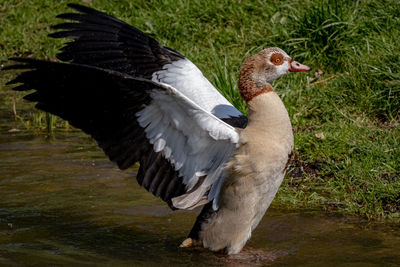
{"x": 277, "y": 59}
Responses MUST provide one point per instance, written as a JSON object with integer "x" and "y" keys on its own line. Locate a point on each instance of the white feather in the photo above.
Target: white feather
{"x": 195, "y": 141}
{"x": 185, "y": 77}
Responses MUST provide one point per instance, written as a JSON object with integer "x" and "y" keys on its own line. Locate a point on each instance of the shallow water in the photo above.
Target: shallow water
{"x": 63, "y": 203}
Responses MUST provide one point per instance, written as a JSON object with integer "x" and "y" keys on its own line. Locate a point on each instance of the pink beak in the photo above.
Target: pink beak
{"x": 296, "y": 66}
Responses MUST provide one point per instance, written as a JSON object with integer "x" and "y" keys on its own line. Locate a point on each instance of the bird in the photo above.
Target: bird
{"x": 147, "y": 103}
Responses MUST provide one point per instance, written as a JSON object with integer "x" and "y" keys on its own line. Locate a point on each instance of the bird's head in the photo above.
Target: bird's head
{"x": 278, "y": 63}
{"x": 258, "y": 71}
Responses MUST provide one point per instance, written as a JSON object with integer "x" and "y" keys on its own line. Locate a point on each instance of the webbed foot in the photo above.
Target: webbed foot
{"x": 187, "y": 243}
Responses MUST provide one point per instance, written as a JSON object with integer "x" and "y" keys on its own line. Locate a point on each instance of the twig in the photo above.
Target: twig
{"x": 324, "y": 80}
{"x": 15, "y": 104}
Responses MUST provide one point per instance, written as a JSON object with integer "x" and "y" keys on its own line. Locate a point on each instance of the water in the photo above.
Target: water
{"x": 63, "y": 203}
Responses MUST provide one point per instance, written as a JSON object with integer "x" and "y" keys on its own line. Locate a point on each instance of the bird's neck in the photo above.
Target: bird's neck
{"x": 269, "y": 117}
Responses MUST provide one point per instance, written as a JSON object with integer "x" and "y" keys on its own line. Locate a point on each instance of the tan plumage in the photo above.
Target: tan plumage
{"x": 255, "y": 173}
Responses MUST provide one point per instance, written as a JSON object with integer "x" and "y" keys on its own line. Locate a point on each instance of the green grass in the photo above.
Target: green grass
{"x": 355, "y": 104}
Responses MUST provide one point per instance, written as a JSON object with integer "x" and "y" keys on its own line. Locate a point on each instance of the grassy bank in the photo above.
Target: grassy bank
{"x": 346, "y": 121}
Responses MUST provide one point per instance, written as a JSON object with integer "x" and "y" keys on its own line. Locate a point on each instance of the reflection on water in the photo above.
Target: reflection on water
{"x": 63, "y": 203}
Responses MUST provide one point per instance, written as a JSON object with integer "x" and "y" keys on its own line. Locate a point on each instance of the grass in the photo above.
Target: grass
{"x": 346, "y": 122}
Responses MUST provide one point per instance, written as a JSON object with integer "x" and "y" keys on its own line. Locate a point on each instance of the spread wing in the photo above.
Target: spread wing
{"x": 181, "y": 147}
{"x": 103, "y": 41}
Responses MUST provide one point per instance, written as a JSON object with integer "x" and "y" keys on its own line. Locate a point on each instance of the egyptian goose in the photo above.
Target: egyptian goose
{"x": 143, "y": 102}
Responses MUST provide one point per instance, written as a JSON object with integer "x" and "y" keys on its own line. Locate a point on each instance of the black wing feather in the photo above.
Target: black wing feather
{"x": 139, "y": 55}
{"x": 103, "y": 103}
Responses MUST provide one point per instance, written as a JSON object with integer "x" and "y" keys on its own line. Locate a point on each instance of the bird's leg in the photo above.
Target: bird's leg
{"x": 193, "y": 237}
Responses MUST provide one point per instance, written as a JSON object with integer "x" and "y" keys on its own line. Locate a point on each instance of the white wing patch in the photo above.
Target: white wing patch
{"x": 196, "y": 142}
{"x": 185, "y": 77}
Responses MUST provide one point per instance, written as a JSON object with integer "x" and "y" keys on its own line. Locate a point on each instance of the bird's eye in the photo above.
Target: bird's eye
{"x": 277, "y": 59}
